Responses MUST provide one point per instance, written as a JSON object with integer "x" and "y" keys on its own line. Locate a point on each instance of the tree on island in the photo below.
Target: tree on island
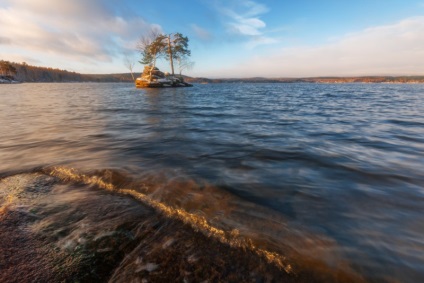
{"x": 184, "y": 63}
{"x": 177, "y": 48}
{"x": 172, "y": 47}
{"x": 152, "y": 47}
{"x": 129, "y": 63}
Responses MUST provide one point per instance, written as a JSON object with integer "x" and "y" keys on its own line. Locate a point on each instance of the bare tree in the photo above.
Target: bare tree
{"x": 184, "y": 63}
{"x": 129, "y": 63}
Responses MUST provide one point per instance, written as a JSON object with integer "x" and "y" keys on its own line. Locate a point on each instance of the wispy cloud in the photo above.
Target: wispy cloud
{"x": 201, "y": 33}
{"x": 68, "y": 28}
{"x": 260, "y": 40}
{"x": 243, "y": 18}
{"x": 383, "y": 50}
{"x": 5, "y": 40}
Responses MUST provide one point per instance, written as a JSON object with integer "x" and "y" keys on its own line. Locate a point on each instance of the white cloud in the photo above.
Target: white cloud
{"x": 86, "y": 31}
{"x": 385, "y": 50}
{"x": 245, "y": 27}
{"x": 242, "y": 18}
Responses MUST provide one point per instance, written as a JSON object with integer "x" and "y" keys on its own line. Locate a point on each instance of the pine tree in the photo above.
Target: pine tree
{"x": 151, "y": 48}
{"x": 174, "y": 47}
{"x": 177, "y": 48}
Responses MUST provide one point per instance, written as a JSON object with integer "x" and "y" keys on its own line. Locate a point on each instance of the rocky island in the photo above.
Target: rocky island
{"x": 172, "y": 47}
{"x": 153, "y": 77}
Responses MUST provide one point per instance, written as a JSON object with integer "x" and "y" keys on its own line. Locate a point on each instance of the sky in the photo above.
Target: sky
{"x": 228, "y": 38}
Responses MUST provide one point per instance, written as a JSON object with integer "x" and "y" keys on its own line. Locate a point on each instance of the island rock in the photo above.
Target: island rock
{"x": 152, "y": 77}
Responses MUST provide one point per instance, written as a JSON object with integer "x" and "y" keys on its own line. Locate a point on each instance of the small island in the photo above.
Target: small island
{"x": 172, "y": 47}
{"x": 153, "y": 77}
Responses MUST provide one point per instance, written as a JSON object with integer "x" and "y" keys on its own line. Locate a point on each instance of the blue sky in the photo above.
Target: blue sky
{"x": 243, "y": 38}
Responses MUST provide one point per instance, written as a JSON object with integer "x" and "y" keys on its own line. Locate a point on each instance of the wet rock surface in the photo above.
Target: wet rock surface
{"x": 152, "y": 77}
{"x": 55, "y": 232}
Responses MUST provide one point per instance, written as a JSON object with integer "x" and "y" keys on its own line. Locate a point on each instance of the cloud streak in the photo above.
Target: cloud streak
{"x": 68, "y": 28}
{"x": 395, "y": 49}
{"x": 201, "y": 33}
{"x": 242, "y": 18}
{"x": 5, "y": 40}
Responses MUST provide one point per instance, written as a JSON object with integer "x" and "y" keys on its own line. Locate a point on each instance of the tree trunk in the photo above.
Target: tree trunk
{"x": 151, "y": 70}
{"x": 170, "y": 54}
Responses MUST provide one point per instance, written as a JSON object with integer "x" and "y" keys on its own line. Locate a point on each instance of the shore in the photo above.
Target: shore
{"x": 8, "y": 80}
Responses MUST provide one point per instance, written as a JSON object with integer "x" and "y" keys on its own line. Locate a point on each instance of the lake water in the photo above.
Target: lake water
{"x": 315, "y": 172}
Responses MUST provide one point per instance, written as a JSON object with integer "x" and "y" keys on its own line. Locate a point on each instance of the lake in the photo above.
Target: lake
{"x": 329, "y": 176}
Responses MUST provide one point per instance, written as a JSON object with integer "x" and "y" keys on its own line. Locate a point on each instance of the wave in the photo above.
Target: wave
{"x": 291, "y": 264}
{"x": 198, "y": 223}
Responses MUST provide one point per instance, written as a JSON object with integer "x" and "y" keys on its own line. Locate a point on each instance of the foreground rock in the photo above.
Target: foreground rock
{"x": 154, "y": 78}
{"x": 57, "y": 231}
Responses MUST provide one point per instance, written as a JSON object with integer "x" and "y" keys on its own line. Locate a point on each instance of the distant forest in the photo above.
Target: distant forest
{"x": 323, "y": 80}
{"x": 27, "y": 73}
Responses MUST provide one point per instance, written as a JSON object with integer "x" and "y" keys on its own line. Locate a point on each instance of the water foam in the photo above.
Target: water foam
{"x": 198, "y": 223}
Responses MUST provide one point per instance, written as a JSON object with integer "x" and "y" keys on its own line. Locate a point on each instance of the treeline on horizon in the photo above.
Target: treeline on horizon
{"x": 28, "y": 73}
{"x": 364, "y": 79}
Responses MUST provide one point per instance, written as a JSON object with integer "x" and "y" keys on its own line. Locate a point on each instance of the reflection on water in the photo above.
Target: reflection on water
{"x": 329, "y": 173}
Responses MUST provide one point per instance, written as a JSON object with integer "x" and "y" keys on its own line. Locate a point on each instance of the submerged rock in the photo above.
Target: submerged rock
{"x": 58, "y": 230}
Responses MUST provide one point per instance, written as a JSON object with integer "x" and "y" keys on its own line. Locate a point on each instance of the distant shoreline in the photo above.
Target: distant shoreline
{"x": 321, "y": 80}
{"x": 241, "y": 81}
{"x": 28, "y": 73}
{"x": 126, "y": 78}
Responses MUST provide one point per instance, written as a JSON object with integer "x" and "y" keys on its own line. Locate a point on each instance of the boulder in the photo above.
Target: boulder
{"x": 155, "y": 78}
{"x": 156, "y": 73}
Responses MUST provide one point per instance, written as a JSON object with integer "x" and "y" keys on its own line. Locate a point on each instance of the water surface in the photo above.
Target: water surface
{"x": 315, "y": 172}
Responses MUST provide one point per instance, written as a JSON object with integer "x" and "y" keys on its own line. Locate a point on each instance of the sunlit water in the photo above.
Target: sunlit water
{"x": 314, "y": 172}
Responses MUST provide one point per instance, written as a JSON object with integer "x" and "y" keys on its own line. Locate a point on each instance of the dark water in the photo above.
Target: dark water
{"x": 328, "y": 173}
